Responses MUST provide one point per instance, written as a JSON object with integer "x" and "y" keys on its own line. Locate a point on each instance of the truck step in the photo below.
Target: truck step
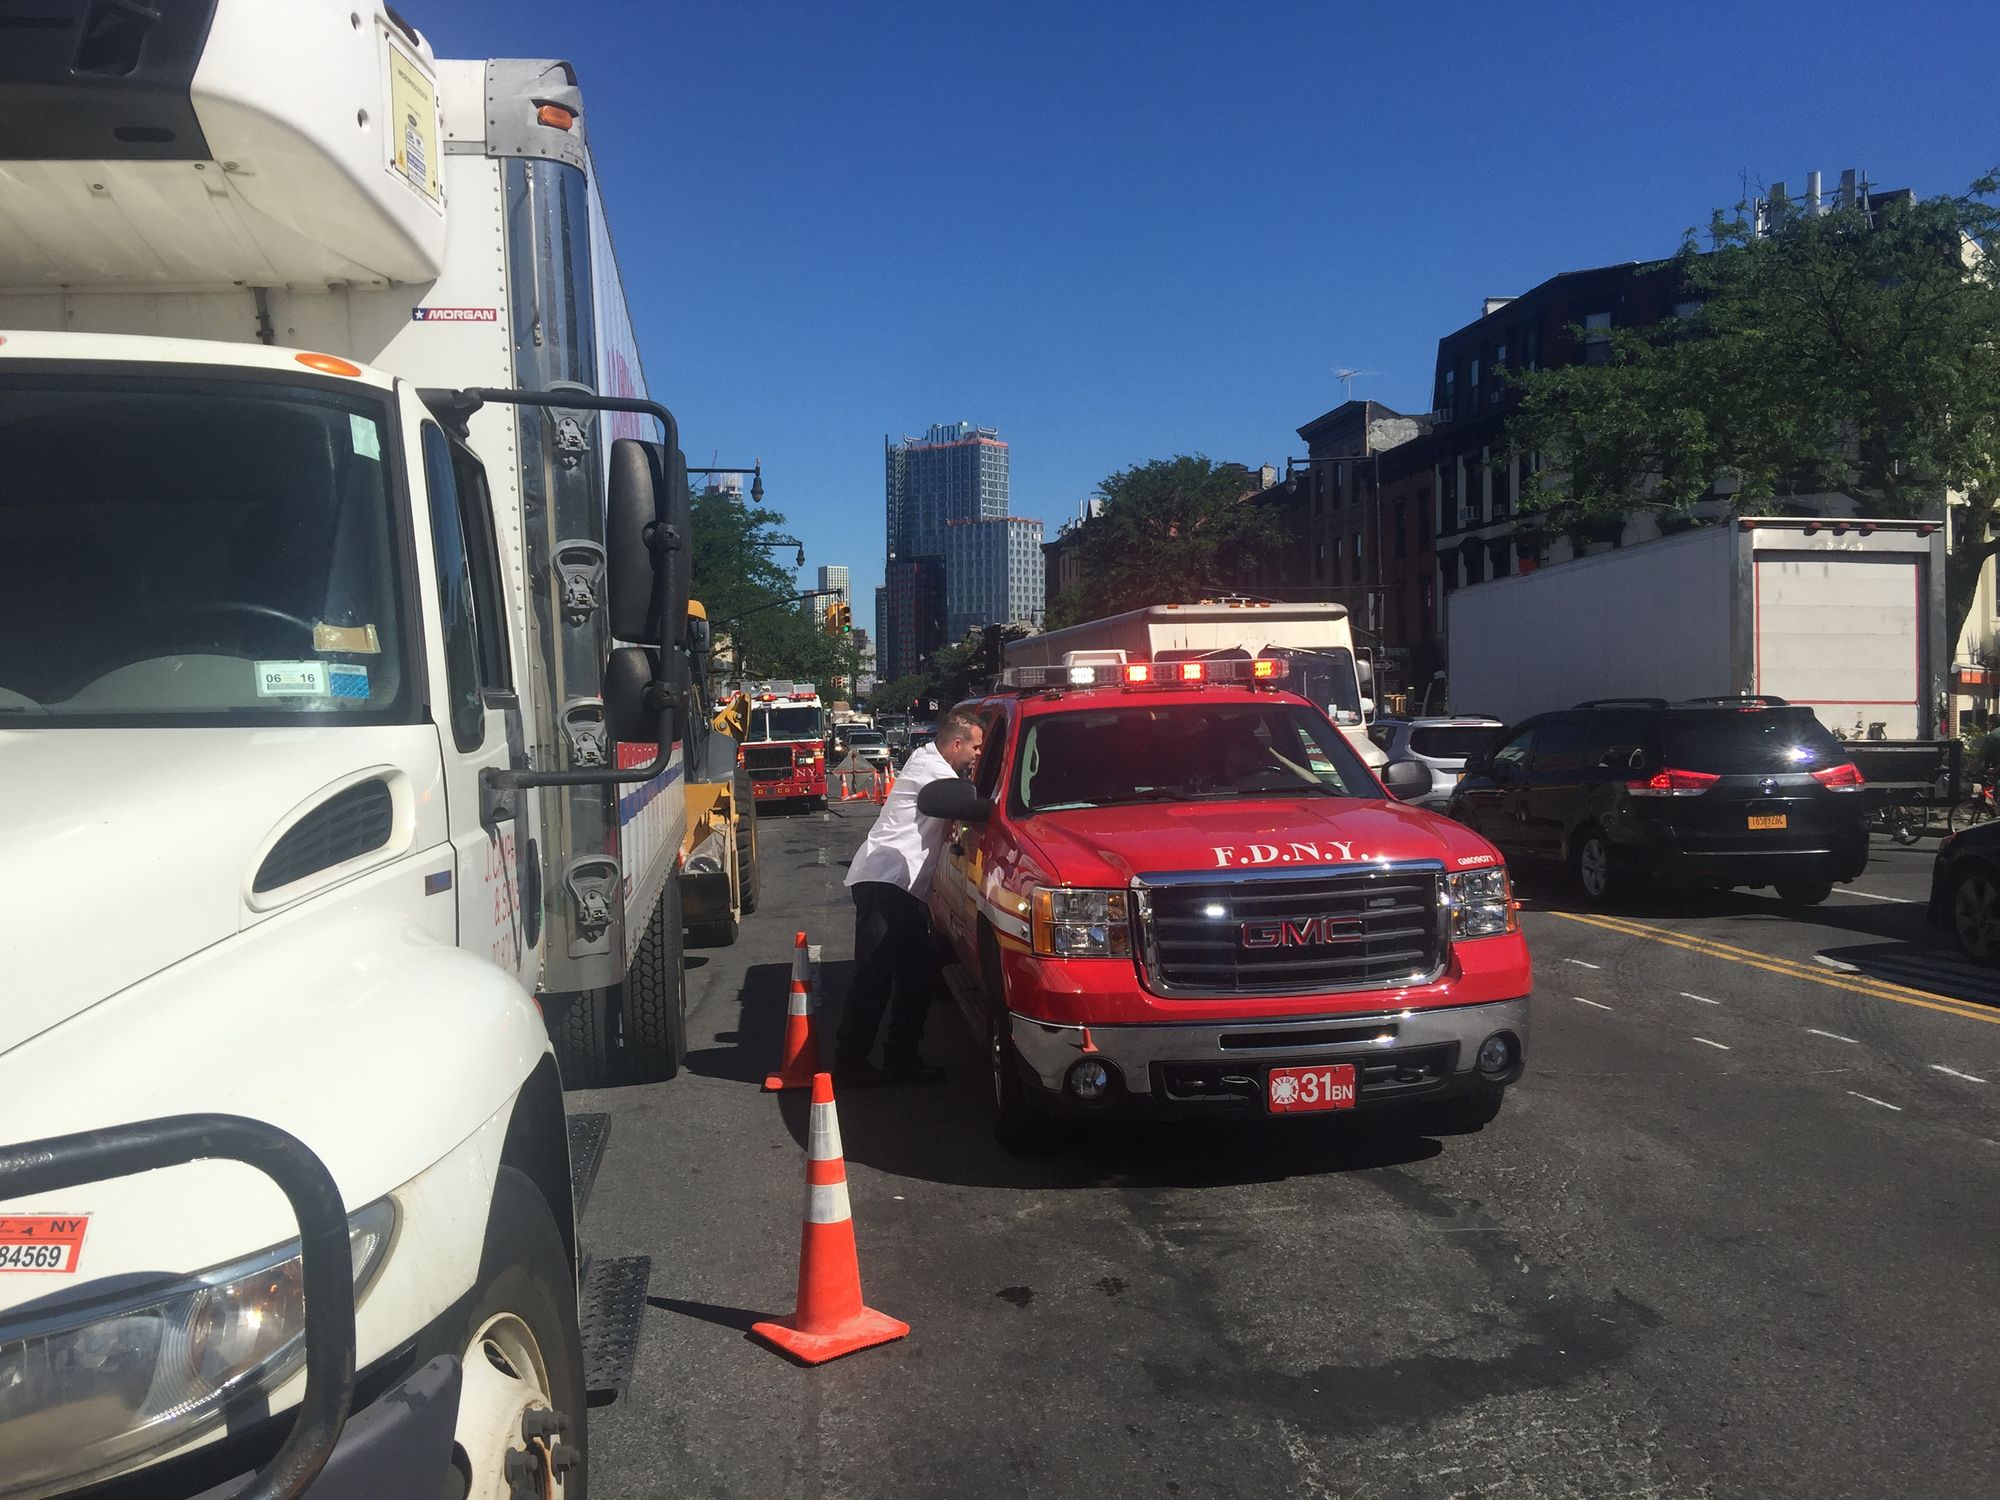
{"x": 587, "y": 1135}
{"x": 610, "y": 1314}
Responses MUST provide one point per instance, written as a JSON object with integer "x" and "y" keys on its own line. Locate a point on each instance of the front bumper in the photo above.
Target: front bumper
{"x": 705, "y": 896}
{"x": 789, "y": 787}
{"x": 1208, "y": 1067}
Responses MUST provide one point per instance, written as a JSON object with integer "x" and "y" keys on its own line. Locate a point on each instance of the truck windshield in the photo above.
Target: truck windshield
{"x": 1326, "y": 678}
{"x": 1183, "y": 753}
{"x": 194, "y": 551}
{"x": 786, "y": 724}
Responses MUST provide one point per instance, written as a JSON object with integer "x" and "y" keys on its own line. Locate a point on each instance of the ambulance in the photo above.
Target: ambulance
{"x": 1172, "y": 888}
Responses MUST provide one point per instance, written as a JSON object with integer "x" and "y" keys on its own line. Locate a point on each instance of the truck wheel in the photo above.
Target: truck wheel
{"x": 1021, "y": 1126}
{"x": 1590, "y": 861}
{"x": 655, "y": 994}
{"x": 580, "y": 1030}
{"x": 1804, "y": 892}
{"x": 520, "y": 1348}
{"x": 748, "y": 866}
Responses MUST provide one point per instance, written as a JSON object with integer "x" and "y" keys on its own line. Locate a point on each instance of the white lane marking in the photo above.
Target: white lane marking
{"x": 1953, "y": 1072}
{"x": 1883, "y": 1102}
{"x": 1719, "y": 1046}
{"x": 1899, "y": 900}
{"x": 1688, "y": 995}
{"x": 1832, "y": 1036}
{"x": 1581, "y": 1001}
{"x": 1581, "y": 964}
{"x": 1837, "y": 965}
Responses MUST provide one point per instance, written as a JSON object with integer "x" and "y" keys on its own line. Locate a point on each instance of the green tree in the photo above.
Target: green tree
{"x": 746, "y": 590}
{"x": 1170, "y": 532}
{"x": 1846, "y": 353}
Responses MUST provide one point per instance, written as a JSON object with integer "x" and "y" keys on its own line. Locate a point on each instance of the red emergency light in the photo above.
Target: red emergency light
{"x": 1194, "y": 671}
{"x": 1138, "y": 673}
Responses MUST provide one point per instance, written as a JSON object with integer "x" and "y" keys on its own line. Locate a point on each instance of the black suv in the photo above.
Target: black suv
{"x": 1715, "y": 792}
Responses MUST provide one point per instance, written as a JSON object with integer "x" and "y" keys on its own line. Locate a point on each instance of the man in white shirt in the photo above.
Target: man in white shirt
{"x": 894, "y": 970}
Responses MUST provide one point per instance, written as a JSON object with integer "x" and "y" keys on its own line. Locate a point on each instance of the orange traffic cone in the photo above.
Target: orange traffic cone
{"x": 831, "y": 1320}
{"x": 801, "y": 1055}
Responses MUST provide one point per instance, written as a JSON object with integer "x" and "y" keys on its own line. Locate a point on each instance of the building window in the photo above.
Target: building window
{"x": 1424, "y": 520}
{"x": 1597, "y": 338}
{"x": 1402, "y": 529}
{"x": 1475, "y": 380}
{"x": 1357, "y": 554}
{"x": 1429, "y": 605}
{"x": 1686, "y": 310}
{"x": 1450, "y": 389}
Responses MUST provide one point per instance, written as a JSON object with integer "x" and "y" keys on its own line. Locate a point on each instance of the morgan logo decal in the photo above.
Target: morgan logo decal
{"x": 1325, "y": 852}
{"x": 1313, "y": 932}
{"x": 454, "y": 315}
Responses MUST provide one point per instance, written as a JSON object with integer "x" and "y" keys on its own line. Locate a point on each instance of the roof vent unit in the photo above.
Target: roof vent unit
{"x": 286, "y": 145}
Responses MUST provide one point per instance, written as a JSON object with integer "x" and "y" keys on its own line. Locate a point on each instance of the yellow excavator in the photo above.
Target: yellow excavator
{"x": 720, "y": 865}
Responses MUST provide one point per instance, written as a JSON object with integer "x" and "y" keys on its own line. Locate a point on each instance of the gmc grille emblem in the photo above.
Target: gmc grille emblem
{"x": 1313, "y": 932}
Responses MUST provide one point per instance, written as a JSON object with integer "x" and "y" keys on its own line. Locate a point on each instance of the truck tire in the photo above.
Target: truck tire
{"x": 1020, "y": 1125}
{"x": 655, "y": 997}
{"x": 518, "y": 1342}
{"x": 748, "y": 865}
{"x": 580, "y": 1031}
{"x": 1590, "y": 864}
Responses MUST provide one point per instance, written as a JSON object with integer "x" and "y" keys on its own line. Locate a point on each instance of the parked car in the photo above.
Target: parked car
{"x": 1965, "y": 891}
{"x": 1440, "y": 744}
{"x": 1713, "y": 792}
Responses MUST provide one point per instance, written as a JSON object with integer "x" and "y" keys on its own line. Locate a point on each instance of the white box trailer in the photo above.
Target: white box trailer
{"x": 323, "y": 513}
{"x": 1320, "y": 637}
{"x": 1843, "y": 616}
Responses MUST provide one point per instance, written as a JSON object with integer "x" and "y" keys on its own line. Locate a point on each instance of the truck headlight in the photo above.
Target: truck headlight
{"x": 1481, "y": 903}
{"x": 86, "y": 1391}
{"x": 1082, "y": 924}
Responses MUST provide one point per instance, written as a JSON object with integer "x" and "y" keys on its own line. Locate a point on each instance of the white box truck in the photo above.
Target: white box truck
{"x": 338, "y": 568}
{"x": 1845, "y": 617}
{"x": 1318, "y": 638}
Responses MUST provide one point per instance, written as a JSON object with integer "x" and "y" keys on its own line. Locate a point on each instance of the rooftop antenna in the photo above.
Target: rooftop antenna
{"x": 1346, "y": 377}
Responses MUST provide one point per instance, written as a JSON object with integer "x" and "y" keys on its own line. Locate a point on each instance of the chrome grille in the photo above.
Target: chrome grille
{"x": 1292, "y": 934}
{"x": 768, "y": 762}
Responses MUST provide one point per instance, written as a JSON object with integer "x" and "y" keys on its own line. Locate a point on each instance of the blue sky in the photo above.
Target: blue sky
{"x": 1120, "y": 231}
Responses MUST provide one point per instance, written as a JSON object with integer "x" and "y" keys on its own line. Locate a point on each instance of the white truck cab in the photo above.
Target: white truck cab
{"x": 342, "y": 686}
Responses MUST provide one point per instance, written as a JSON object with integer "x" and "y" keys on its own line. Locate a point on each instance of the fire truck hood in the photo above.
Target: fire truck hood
{"x": 1109, "y": 846}
{"x": 124, "y": 851}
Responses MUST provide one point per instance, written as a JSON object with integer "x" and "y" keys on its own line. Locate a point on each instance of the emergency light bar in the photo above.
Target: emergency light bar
{"x": 1145, "y": 674}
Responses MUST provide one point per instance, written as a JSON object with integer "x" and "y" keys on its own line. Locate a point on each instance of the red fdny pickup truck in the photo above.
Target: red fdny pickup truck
{"x": 1177, "y": 890}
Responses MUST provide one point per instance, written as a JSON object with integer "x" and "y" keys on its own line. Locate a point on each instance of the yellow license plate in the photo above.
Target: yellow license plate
{"x": 1767, "y": 820}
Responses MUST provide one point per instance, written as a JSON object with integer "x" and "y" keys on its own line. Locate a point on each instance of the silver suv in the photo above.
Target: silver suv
{"x": 1440, "y": 744}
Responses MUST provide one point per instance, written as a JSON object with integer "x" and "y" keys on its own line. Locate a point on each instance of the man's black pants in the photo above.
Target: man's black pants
{"x": 894, "y": 970}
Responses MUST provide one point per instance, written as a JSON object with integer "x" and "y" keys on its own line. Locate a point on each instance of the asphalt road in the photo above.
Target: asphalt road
{"x": 1736, "y": 1234}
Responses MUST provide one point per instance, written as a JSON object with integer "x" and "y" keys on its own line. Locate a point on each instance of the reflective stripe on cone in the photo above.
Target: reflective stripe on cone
{"x": 800, "y": 1058}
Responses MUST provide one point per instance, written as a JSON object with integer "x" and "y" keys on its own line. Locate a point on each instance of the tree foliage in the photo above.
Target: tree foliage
{"x": 1169, "y": 530}
{"x": 740, "y": 581}
{"x": 1847, "y": 354}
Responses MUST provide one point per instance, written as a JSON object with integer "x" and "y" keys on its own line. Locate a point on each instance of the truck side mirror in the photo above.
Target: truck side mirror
{"x": 954, "y": 799}
{"x": 648, "y": 558}
{"x": 1406, "y": 779}
{"x": 634, "y": 696}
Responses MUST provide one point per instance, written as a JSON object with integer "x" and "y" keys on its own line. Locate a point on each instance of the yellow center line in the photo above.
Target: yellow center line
{"x": 1874, "y": 988}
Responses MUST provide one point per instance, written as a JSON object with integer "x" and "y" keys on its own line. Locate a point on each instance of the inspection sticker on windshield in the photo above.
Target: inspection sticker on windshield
{"x": 291, "y": 679}
{"x": 346, "y": 679}
{"x": 49, "y": 1243}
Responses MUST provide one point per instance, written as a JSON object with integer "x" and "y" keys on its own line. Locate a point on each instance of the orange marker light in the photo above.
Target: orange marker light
{"x": 327, "y": 364}
{"x": 555, "y": 115}
{"x": 1263, "y": 669}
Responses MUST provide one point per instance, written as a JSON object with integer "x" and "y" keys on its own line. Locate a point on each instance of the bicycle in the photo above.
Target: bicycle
{"x": 1973, "y": 808}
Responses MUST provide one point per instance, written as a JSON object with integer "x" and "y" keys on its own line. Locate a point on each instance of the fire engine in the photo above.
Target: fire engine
{"x": 1173, "y": 888}
{"x": 785, "y": 752}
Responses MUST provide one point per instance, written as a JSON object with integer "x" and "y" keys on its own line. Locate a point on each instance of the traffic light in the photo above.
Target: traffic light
{"x": 830, "y": 621}
{"x": 846, "y": 617}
